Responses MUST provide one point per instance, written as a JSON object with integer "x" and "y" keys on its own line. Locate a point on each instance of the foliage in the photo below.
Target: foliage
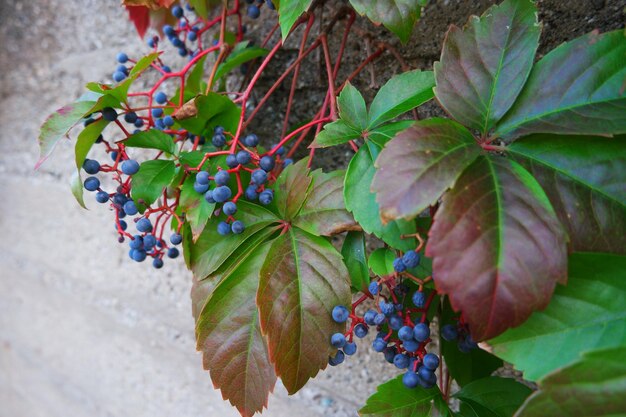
{"x": 506, "y": 221}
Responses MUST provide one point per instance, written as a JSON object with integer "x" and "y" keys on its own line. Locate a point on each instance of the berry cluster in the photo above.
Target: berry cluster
{"x": 403, "y": 332}
{"x": 460, "y": 334}
{"x": 254, "y": 8}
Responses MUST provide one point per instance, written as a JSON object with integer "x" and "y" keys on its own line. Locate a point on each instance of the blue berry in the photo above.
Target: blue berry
{"x": 349, "y": 348}
{"x": 109, "y": 114}
{"x": 122, "y": 58}
{"x": 251, "y": 193}
{"x": 218, "y": 140}
{"x": 395, "y": 322}
{"x": 166, "y": 69}
{"x": 158, "y": 123}
{"x": 410, "y": 379}
{"x": 449, "y": 332}
{"x": 223, "y": 228}
{"x": 338, "y": 359}
{"x": 102, "y": 197}
{"x": 243, "y": 157}
{"x": 136, "y": 242}
{"x": 118, "y": 76}
{"x": 139, "y": 123}
{"x": 113, "y": 155}
{"x": 177, "y": 11}
{"x": 387, "y": 308}
{"x": 221, "y": 194}
{"x": 338, "y": 340}
{"x": 158, "y": 112}
{"x": 259, "y": 176}
{"x": 130, "y": 167}
{"x": 369, "y": 317}
{"x": 91, "y": 184}
{"x": 208, "y": 196}
{"x": 160, "y": 97}
{"x": 200, "y": 188}
{"x": 267, "y": 163}
{"x": 176, "y": 238}
{"x": 172, "y": 253}
{"x": 139, "y": 255}
{"x": 419, "y": 299}
{"x": 421, "y": 332}
{"x": 130, "y": 208}
{"x": 130, "y": 117}
{"x": 91, "y": 166}
{"x": 149, "y": 241}
{"x": 157, "y": 263}
{"x": 360, "y": 330}
{"x": 379, "y": 319}
{"x": 144, "y": 225}
{"x": 373, "y": 287}
{"x": 398, "y": 265}
{"x": 390, "y": 352}
{"x": 405, "y": 333}
{"x": 254, "y": 12}
{"x": 218, "y": 129}
{"x": 222, "y": 177}
{"x": 379, "y": 345}
{"x": 287, "y": 161}
{"x": 152, "y": 42}
{"x": 192, "y": 36}
{"x": 411, "y": 259}
{"x": 231, "y": 161}
{"x": 237, "y": 227}
{"x": 411, "y": 345}
{"x": 427, "y": 379}
{"x": 168, "y": 121}
{"x": 266, "y": 197}
{"x": 340, "y": 314}
{"x": 120, "y": 199}
{"x": 430, "y": 361}
{"x": 202, "y": 178}
{"x": 123, "y": 225}
{"x": 251, "y": 140}
{"x": 229, "y": 208}
{"x": 168, "y": 30}
{"x": 424, "y": 373}
{"x": 401, "y": 361}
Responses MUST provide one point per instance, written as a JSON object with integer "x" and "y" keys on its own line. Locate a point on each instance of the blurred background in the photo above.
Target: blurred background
{"x": 84, "y": 331}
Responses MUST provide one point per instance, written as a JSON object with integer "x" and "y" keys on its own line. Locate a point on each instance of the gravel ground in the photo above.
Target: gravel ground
{"x": 84, "y": 331}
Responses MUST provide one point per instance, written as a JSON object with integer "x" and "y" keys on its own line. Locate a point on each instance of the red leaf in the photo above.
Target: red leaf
{"x": 140, "y": 16}
{"x": 498, "y": 248}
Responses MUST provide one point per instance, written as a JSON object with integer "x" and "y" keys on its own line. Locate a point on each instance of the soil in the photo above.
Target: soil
{"x": 84, "y": 330}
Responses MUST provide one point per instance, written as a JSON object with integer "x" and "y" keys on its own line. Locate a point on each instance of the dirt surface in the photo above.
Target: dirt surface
{"x": 83, "y": 330}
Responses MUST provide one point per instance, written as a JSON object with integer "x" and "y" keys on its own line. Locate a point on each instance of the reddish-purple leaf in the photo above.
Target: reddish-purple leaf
{"x": 292, "y": 188}
{"x": 324, "y": 212}
{"x": 579, "y": 88}
{"x": 228, "y": 333}
{"x": 498, "y": 248}
{"x": 419, "y": 164}
{"x": 302, "y": 279}
{"x": 484, "y": 66}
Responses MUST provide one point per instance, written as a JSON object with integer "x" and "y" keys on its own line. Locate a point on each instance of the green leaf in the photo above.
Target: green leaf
{"x": 497, "y": 397}
{"x": 335, "y": 133}
{"x": 465, "y": 367}
{"x": 141, "y": 66}
{"x": 291, "y": 189}
{"x": 578, "y": 88}
{"x": 202, "y": 7}
{"x": 362, "y": 203}
{"x": 381, "y": 261}
{"x": 152, "y": 139}
{"x": 352, "y": 108}
{"x": 86, "y": 139}
{"x": 399, "y": 16}
{"x": 353, "y": 252}
{"x": 288, "y": 13}
{"x": 212, "y": 110}
{"x": 400, "y": 94}
{"x": 76, "y": 185}
{"x": 382, "y": 134}
{"x": 585, "y": 180}
{"x": 229, "y": 336}
{"x": 302, "y": 280}
{"x": 153, "y": 176}
{"x": 240, "y": 54}
{"x": 593, "y": 386}
{"x": 197, "y": 210}
{"x": 58, "y": 124}
{"x": 323, "y": 212}
{"x": 211, "y": 250}
{"x": 586, "y": 314}
{"x": 393, "y": 399}
{"x": 419, "y": 165}
{"x": 194, "y": 84}
{"x": 495, "y": 238}
{"x": 484, "y": 66}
